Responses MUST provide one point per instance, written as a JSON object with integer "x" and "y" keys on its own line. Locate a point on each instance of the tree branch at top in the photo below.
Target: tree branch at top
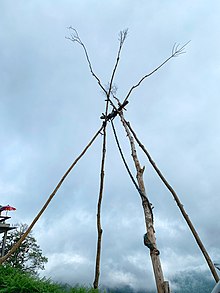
{"x": 176, "y": 51}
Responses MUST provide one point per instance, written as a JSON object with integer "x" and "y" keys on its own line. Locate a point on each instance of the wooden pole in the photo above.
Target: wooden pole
{"x": 19, "y": 242}
{"x": 162, "y": 286}
{"x": 180, "y": 205}
{"x": 99, "y": 205}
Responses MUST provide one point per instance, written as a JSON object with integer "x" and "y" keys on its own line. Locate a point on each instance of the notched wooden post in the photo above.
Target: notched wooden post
{"x": 179, "y": 204}
{"x": 177, "y": 50}
{"x": 149, "y": 238}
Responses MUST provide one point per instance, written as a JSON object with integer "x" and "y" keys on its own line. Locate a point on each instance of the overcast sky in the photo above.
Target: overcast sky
{"x": 50, "y": 107}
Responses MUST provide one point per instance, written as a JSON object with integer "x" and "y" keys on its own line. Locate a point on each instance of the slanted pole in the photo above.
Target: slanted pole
{"x": 180, "y": 206}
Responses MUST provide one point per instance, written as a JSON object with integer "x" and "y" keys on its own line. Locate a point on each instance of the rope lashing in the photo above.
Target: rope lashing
{"x": 114, "y": 112}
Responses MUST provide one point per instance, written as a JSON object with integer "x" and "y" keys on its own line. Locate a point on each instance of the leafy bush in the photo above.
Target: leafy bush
{"x": 28, "y": 257}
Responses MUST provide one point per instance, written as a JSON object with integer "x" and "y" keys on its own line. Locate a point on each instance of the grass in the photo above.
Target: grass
{"x": 15, "y": 281}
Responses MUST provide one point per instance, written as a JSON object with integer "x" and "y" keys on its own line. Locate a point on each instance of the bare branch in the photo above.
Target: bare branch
{"x": 122, "y": 37}
{"x": 74, "y": 37}
{"x": 176, "y": 51}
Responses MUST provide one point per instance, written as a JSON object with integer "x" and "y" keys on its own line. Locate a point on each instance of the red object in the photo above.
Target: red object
{"x": 7, "y": 208}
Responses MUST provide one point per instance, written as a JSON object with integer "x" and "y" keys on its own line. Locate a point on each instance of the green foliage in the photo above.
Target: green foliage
{"x": 13, "y": 280}
{"x": 28, "y": 257}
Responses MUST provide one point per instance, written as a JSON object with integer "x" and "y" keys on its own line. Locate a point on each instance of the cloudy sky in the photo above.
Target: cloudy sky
{"x": 50, "y": 107}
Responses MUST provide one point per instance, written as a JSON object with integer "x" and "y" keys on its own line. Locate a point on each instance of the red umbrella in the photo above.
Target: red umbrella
{"x": 7, "y": 208}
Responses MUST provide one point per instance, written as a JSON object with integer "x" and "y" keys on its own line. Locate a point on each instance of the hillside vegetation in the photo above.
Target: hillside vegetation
{"x": 15, "y": 281}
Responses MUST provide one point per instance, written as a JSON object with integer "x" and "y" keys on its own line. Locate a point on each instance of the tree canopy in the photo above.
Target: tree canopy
{"x": 28, "y": 257}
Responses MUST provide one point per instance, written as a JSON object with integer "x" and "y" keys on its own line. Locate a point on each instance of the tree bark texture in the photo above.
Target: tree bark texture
{"x": 180, "y": 205}
{"x": 154, "y": 252}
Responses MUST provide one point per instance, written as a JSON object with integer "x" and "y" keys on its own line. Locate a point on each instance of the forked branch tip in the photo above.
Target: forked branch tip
{"x": 177, "y": 50}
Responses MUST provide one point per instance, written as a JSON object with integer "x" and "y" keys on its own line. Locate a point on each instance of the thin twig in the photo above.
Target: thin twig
{"x": 176, "y": 51}
{"x": 17, "y": 244}
{"x": 122, "y": 37}
{"x": 74, "y": 37}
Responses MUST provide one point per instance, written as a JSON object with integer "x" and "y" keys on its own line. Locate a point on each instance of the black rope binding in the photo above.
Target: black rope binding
{"x": 114, "y": 112}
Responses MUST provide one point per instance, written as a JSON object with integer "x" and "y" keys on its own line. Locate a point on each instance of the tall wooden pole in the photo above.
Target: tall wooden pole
{"x": 99, "y": 225}
{"x": 150, "y": 239}
{"x": 180, "y": 206}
